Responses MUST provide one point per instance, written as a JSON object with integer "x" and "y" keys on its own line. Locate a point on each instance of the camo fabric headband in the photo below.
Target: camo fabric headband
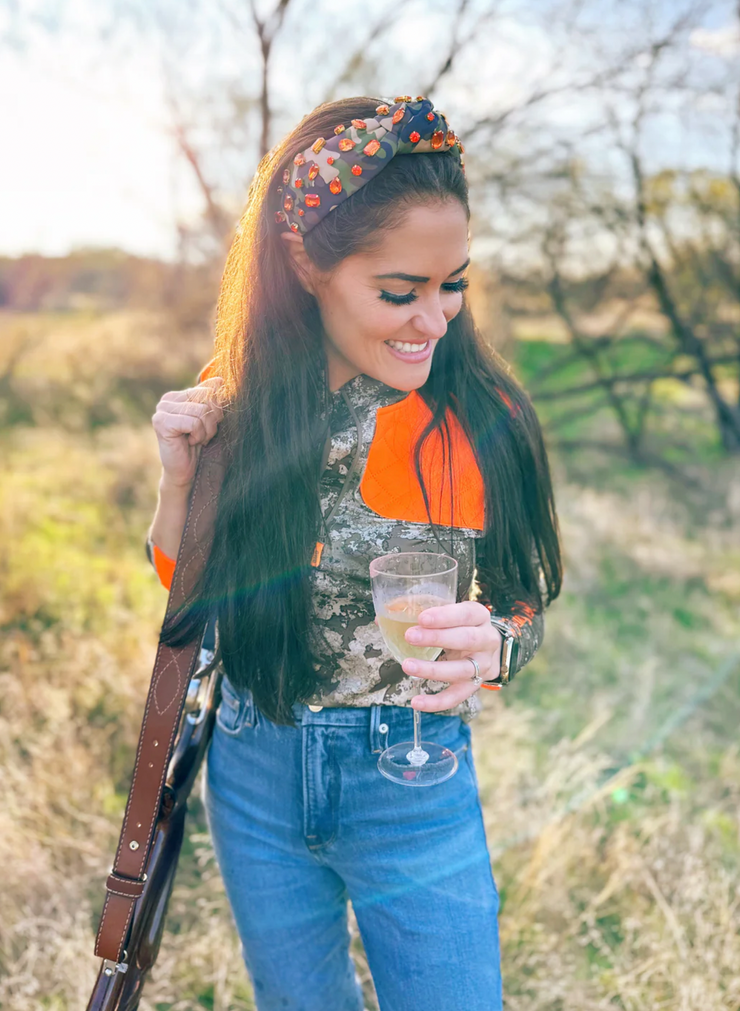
{"x": 334, "y": 168}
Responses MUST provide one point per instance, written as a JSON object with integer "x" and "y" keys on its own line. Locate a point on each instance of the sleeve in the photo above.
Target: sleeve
{"x": 527, "y": 623}
{"x": 163, "y": 565}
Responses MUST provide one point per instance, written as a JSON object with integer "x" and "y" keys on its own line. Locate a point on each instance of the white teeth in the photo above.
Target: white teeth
{"x": 406, "y": 346}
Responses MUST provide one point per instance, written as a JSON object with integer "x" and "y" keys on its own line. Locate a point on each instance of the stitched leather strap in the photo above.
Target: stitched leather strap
{"x": 173, "y": 669}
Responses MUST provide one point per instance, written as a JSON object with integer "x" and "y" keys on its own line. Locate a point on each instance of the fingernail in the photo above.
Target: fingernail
{"x": 410, "y": 666}
{"x": 413, "y": 635}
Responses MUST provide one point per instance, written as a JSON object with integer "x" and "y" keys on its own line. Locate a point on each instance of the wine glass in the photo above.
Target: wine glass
{"x": 404, "y": 584}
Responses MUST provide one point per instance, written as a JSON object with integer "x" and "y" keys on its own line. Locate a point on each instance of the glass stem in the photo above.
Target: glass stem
{"x": 417, "y": 725}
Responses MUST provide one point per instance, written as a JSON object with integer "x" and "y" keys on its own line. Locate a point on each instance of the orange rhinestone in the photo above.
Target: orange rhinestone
{"x": 371, "y": 147}
{"x": 359, "y": 124}
{"x": 330, "y": 160}
{"x": 286, "y": 175}
{"x": 451, "y": 138}
{"x": 419, "y": 98}
{"x": 414, "y": 137}
{"x": 356, "y": 170}
{"x": 346, "y": 144}
{"x": 288, "y": 203}
{"x": 313, "y": 171}
{"x": 438, "y": 139}
{"x": 279, "y": 216}
{"x": 301, "y": 211}
{"x": 298, "y": 183}
{"x": 336, "y": 185}
{"x": 299, "y": 160}
{"x": 383, "y": 110}
{"x": 339, "y": 129}
{"x": 431, "y": 116}
{"x": 402, "y": 98}
{"x": 317, "y": 145}
{"x": 294, "y": 226}
{"x": 398, "y": 116}
{"x": 312, "y": 200}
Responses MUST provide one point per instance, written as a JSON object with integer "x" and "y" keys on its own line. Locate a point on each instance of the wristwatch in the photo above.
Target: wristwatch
{"x": 509, "y": 652}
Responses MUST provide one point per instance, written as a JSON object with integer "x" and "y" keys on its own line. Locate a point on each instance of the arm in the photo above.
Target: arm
{"x": 165, "y": 533}
{"x": 527, "y": 623}
{"x": 184, "y": 421}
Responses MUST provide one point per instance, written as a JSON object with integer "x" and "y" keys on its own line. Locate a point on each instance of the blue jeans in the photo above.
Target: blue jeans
{"x": 302, "y": 820}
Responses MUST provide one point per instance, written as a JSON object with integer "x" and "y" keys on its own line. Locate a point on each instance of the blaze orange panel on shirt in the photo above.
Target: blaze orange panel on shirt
{"x": 164, "y": 565}
{"x": 389, "y": 485}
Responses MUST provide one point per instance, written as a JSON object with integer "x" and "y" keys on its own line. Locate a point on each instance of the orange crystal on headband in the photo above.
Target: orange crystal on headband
{"x": 317, "y": 145}
{"x": 438, "y": 139}
{"x": 398, "y": 116}
{"x": 346, "y": 144}
{"x": 313, "y": 171}
{"x": 336, "y": 185}
{"x": 371, "y": 147}
{"x": 312, "y": 200}
{"x": 356, "y": 170}
{"x": 414, "y": 136}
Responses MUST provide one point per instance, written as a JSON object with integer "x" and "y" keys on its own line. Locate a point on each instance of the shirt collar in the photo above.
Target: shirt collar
{"x": 364, "y": 390}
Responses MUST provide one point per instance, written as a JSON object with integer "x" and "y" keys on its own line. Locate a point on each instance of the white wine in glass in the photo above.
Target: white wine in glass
{"x": 404, "y": 584}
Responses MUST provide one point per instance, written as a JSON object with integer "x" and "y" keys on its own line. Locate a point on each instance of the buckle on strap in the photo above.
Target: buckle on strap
{"x": 128, "y": 888}
{"x": 110, "y": 967}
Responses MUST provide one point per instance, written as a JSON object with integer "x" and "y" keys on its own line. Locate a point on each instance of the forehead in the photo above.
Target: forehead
{"x": 429, "y": 240}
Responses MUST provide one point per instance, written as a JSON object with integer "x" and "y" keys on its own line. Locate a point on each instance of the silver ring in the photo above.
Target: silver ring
{"x": 476, "y": 678}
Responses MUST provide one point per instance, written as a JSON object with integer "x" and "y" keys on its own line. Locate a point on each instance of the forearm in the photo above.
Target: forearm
{"x": 169, "y": 519}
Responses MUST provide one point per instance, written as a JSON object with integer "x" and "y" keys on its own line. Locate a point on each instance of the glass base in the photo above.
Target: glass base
{"x": 401, "y": 764}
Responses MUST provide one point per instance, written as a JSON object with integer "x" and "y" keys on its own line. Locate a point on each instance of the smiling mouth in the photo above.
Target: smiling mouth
{"x": 408, "y": 346}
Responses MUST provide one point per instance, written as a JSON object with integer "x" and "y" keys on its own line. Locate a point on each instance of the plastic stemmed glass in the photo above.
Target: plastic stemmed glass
{"x": 404, "y": 584}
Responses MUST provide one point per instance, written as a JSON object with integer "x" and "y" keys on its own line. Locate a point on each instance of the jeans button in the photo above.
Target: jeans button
{"x": 383, "y": 728}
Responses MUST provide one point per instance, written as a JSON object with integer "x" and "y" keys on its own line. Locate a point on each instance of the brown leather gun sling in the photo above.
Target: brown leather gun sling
{"x": 173, "y": 670}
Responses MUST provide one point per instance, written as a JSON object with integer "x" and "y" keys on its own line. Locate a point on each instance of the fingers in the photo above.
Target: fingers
{"x": 464, "y": 612}
{"x": 465, "y": 637}
{"x": 446, "y": 699}
{"x": 176, "y": 418}
{"x": 449, "y": 670}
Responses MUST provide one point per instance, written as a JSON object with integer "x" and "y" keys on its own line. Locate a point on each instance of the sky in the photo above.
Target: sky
{"x": 89, "y": 158}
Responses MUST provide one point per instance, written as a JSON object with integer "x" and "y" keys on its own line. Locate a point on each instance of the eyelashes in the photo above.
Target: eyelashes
{"x": 455, "y": 286}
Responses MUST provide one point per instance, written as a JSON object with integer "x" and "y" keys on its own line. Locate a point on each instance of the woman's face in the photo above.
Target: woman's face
{"x": 384, "y": 311}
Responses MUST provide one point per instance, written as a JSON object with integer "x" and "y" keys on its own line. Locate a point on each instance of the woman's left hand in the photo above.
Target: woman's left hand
{"x": 462, "y": 630}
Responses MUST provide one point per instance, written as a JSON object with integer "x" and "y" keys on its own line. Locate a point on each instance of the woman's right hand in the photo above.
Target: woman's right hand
{"x": 185, "y": 421}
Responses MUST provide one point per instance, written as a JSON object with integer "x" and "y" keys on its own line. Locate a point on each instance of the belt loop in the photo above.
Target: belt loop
{"x": 250, "y": 709}
{"x": 378, "y": 738}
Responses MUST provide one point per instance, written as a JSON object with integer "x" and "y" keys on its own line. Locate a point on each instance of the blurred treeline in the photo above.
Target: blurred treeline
{"x": 602, "y": 148}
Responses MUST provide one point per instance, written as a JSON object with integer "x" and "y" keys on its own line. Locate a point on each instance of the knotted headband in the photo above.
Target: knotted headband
{"x": 333, "y": 168}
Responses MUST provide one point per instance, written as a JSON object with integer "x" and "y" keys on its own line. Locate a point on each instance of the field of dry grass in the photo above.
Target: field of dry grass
{"x": 610, "y": 783}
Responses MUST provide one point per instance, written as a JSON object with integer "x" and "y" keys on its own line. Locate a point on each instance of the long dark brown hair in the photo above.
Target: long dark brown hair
{"x": 269, "y": 351}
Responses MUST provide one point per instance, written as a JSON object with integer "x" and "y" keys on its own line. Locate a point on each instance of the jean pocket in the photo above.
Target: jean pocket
{"x": 235, "y": 710}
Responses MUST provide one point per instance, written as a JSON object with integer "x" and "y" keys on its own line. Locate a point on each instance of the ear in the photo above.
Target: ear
{"x": 300, "y": 260}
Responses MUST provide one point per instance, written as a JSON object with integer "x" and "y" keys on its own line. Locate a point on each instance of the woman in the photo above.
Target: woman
{"x": 360, "y": 413}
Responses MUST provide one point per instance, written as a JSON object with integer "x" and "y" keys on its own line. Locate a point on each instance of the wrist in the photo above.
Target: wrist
{"x": 173, "y": 489}
{"x": 509, "y": 652}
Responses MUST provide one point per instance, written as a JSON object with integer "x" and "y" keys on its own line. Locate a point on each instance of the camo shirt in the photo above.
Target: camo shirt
{"x": 354, "y": 665}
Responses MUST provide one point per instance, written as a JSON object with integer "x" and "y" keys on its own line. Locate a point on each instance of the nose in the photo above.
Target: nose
{"x": 431, "y": 321}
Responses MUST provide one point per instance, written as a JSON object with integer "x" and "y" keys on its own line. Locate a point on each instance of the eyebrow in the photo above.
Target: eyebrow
{"x": 417, "y": 277}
